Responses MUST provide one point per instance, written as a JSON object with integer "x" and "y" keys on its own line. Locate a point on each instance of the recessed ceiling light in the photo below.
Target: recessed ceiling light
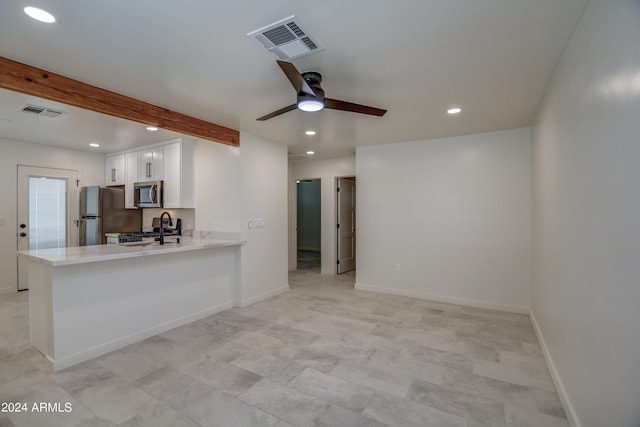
{"x": 311, "y": 152}
{"x": 454, "y": 110}
{"x": 310, "y": 132}
{"x": 94, "y": 144}
{"x": 40, "y": 15}
{"x": 152, "y": 128}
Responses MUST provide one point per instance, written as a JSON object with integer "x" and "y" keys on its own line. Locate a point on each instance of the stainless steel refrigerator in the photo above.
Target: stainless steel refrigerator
{"x": 102, "y": 211}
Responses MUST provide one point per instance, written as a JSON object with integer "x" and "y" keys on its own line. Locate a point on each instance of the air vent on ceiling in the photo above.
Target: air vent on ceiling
{"x": 286, "y": 39}
{"x": 41, "y": 111}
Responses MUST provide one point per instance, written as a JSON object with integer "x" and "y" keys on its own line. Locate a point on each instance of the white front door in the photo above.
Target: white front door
{"x": 346, "y": 224}
{"x": 47, "y": 211}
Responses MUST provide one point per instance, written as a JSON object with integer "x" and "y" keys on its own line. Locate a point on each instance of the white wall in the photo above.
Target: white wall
{"x": 90, "y": 167}
{"x": 585, "y": 294}
{"x": 235, "y": 185}
{"x": 327, "y": 171}
{"x": 263, "y": 194}
{"x": 217, "y": 187}
{"x": 455, "y": 213}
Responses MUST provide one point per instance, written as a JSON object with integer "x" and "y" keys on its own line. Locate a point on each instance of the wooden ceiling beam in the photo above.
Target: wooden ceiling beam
{"x": 44, "y": 84}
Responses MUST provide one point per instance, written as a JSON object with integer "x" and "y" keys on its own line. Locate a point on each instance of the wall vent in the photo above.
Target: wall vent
{"x": 41, "y": 111}
{"x": 286, "y": 39}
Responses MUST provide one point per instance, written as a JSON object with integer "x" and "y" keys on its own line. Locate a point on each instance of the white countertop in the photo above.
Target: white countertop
{"x": 97, "y": 253}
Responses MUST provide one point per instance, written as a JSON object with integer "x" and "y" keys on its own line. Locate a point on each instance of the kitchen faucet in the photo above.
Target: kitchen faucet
{"x": 162, "y": 225}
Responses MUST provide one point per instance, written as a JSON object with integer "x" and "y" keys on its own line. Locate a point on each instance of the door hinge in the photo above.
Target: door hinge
{"x": 338, "y": 261}
{"x": 338, "y": 225}
{"x": 77, "y": 183}
{"x": 338, "y": 189}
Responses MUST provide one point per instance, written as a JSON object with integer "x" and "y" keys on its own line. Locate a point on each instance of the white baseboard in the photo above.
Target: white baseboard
{"x": 101, "y": 349}
{"x": 445, "y": 299}
{"x": 562, "y": 393}
{"x": 252, "y": 300}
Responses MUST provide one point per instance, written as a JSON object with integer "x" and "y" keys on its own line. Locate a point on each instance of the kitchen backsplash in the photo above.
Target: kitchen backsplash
{"x": 188, "y": 217}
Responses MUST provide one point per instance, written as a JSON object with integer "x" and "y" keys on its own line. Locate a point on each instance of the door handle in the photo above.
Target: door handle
{"x": 23, "y": 234}
{"x": 113, "y": 174}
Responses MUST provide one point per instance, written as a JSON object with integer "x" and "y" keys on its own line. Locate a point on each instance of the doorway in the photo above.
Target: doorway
{"x": 47, "y": 211}
{"x": 309, "y": 224}
{"x": 346, "y": 224}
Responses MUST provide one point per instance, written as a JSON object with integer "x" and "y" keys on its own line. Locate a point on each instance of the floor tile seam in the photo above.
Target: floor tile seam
{"x": 240, "y": 397}
{"x": 411, "y": 402}
{"x": 519, "y": 384}
{"x": 456, "y": 392}
{"x": 541, "y": 370}
{"x": 175, "y": 393}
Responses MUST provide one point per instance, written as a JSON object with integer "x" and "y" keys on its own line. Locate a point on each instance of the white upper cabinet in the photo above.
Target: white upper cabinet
{"x": 172, "y": 162}
{"x": 150, "y": 164}
{"x": 131, "y": 176}
{"x": 179, "y": 175}
{"x": 114, "y": 170}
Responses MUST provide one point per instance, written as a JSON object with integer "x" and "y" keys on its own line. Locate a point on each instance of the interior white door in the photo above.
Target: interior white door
{"x": 47, "y": 211}
{"x": 346, "y": 224}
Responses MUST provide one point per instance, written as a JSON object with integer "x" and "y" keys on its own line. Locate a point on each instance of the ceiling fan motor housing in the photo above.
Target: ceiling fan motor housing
{"x": 313, "y": 78}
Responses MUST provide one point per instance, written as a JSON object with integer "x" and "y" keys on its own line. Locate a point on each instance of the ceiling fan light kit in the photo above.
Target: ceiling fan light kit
{"x": 306, "y": 103}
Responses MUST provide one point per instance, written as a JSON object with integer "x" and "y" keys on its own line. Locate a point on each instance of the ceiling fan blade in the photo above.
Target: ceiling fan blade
{"x": 295, "y": 78}
{"x": 278, "y": 112}
{"x": 335, "y": 104}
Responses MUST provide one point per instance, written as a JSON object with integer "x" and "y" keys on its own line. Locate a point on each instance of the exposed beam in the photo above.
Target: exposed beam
{"x": 44, "y": 84}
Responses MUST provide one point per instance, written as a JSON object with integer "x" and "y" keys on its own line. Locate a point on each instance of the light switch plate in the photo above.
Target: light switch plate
{"x": 2, "y": 221}
{"x": 259, "y": 223}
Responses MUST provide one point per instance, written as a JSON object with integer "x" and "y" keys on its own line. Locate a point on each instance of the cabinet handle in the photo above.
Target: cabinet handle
{"x": 150, "y": 166}
{"x": 113, "y": 174}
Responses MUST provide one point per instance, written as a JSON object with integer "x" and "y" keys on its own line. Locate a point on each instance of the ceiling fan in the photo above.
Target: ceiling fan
{"x": 311, "y": 96}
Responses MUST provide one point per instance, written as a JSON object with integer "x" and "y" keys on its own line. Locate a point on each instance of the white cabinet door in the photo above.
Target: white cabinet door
{"x": 179, "y": 175}
{"x": 150, "y": 164}
{"x": 114, "y": 170}
{"x": 131, "y": 176}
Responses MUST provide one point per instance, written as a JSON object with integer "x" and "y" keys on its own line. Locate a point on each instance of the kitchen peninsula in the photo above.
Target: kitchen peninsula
{"x": 86, "y": 301}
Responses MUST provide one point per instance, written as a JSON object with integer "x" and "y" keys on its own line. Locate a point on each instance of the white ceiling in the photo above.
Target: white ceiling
{"x": 416, "y": 58}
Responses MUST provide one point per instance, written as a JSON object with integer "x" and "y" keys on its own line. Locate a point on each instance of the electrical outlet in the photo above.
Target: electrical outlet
{"x": 398, "y": 267}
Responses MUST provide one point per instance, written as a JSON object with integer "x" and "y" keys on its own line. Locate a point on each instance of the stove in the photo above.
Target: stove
{"x": 174, "y": 229}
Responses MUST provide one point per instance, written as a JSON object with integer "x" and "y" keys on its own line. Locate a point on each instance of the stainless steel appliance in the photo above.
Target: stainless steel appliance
{"x": 171, "y": 228}
{"x": 102, "y": 211}
{"x": 148, "y": 194}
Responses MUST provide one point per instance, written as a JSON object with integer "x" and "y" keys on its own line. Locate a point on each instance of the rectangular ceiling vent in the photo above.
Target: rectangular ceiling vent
{"x": 41, "y": 111}
{"x": 286, "y": 39}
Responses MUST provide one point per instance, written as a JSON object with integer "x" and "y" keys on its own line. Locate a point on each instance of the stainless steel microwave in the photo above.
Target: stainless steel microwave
{"x": 148, "y": 194}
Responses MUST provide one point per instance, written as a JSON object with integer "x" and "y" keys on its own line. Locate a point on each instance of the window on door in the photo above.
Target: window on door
{"x": 47, "y": 213}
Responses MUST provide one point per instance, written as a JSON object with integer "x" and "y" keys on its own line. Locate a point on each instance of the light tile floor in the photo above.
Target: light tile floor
{"x": 322, "y": 354}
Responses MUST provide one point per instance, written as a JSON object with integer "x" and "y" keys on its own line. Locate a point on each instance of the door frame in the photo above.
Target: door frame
{"x": 26, "y": 171}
